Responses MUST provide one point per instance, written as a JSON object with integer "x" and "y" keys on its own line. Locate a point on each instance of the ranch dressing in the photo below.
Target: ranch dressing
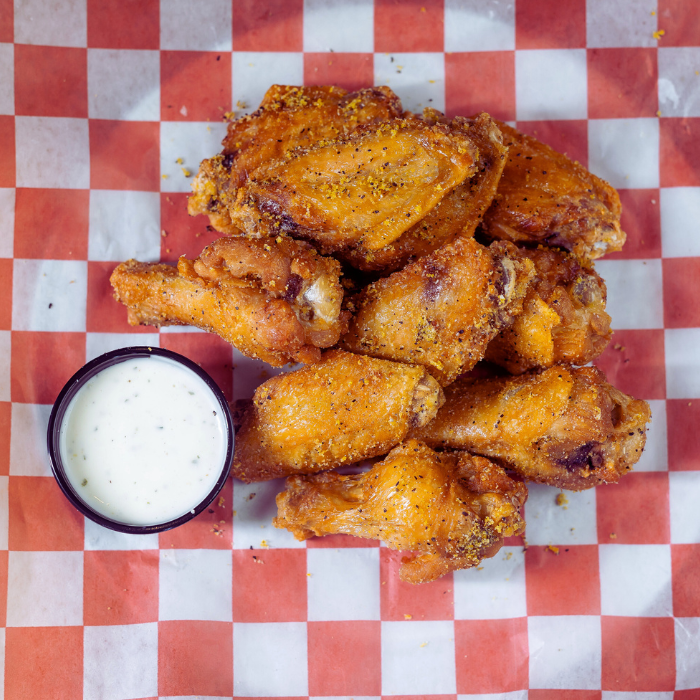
{"x": 144, "y": 441}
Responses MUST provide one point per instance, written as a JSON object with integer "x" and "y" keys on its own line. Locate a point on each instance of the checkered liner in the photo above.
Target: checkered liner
{"x": 106, "y": 109}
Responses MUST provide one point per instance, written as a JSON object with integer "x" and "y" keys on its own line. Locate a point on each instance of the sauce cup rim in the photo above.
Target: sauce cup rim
{"x": 71, "y": 388}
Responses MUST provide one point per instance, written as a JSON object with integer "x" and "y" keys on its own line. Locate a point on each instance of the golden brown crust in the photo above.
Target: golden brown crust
{"x": 563, "y": 319}
{"x": 343, "y": 409}
{"x": 451, "y": 509}
{"x": 544, "y": 197}
{"x": 276, "y": 300}
{"x": 443, "y": 309}
{"x": 289, "y": 117}
{"x": 564, "y": 426}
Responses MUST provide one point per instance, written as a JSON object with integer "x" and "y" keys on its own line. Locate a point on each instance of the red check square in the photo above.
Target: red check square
{"x": 281, "y": 573}
{"x": 622, "y": 83}
{"x": 43, "y": 662}
{"x": 565, "y": 694}
{"x": 692, "y": 694}
{"x": 6, "y": 273}
{"x": 275, "y": 25}
{"x": 195, "y": 658}
{"x": 681, "y": 278}
{"x": 683, "y": 418}
{"x": 124, "y": 155}
{"x": 569, "y": 136}
{"x": 638, "y": 654}
{"x": 35, "y": 501}
{"x": 104, "y": 313}
{"x": 211, "y": 353}
{"x": 481, "y": 646}
{"x": 123, "y": 24}
{"x": 211, "y": 529}
{"x": 679, "y": 152}
{"x": 635, "y": 510}
{"x": 401, "y": 601}
{"x": 351, "y": 71}
{"x": 42, "y": 363}
{"x": 7, "y": 21}
{"x": 3, "y": 587}
{"x": 678, "y": 18}
{"x": 120, "y": 588}
{"x": 406, "y": 26}
{"x": 7, "y": 151}
{"x": 51, "y": 224}
{"x": 50, "y": 81}
{"x": 194, "y": 85}
{"x": 634, "y": 363}
{"x": 685, "y": 566}
{"x": 550, "y": 24}
{"x": 480, "y": 82}
{"x": 567, "y": 583}
{"x": 184, "y": 234}
{"x": 641, "y": 221}
{"x": 345, "y": 658}
{"x": 5, "y": 425}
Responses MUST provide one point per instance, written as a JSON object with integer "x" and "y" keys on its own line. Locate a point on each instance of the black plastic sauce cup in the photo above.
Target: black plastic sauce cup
{"x": 76, "y": 382}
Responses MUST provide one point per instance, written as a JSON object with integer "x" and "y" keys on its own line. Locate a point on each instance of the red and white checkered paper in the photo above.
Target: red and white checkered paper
{"x": 98, "y": 101}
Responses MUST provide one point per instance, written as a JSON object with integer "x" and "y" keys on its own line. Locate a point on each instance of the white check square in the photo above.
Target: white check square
{"x": 418, "y": 657}
{"x": 270, "y": 659}
{"x": 625, "y": 152}
{"x": 513, "y": 695}
{"x": 195, "y": 584}
{"x": 621, "y": 23}
{"x": 7, "y": 87}
{"x": 418, "y": 77}
{"x": 636, "y": 695}
{"x": 31, "y": 602}
{"x": 97, "y": 344}
{"x": 344, "y": 583}
{"x": 204, "y": 25}
{"x": 494, "y": 590}
{"x": 252, "y": 73}
{"x": 124, "y": 84}
{"x": 684, "y": 492}
{"x": 551, "y": 84}
{"x": 572, "y": 523}
{"x": 565, "y": 652}
{"x": 682, "y": 349}
{"x": 7, "y": 222}
{"x": 640, "y": 280}
{"x": 687, "y": 633}
{"x": 472, "y": 25}
{"x": 655, "y": 455}
{"x": 679, "y": 87}
{"x": 49, "y": 295}
{"x": 4, "y": 511}
{"x": 52, "y": 152}
{"x": 124, "y": 225}
{"x": 28, "y": 440}
{"x": 680, "y": 213}
{"x": 5, "y": 360}
{"x": 339, "y": 25}
{"x": 635, "y": 580}
{"x": 100, "y": 538}
{"x": 58, "y": 23}
{"x": 120, "y": 662}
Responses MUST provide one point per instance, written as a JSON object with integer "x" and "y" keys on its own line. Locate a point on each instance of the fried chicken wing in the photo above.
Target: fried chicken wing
{"x": 288, "y": 117}
{"x": 338, "y": 411}
{"x": 274, "y": 299}
{"x": 563, "y": 319}
{"x": 544, "y": 197}
{"x": 443, "y": 309}
{"x": 451, "y": 509}
{"x": 457, "y": 214}
{"x": 363, "y": 189}
{"x": 563, "y": 426}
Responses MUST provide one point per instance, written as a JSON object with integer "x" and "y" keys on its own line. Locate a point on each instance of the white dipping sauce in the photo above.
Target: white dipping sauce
{"x": 144, "y": 441}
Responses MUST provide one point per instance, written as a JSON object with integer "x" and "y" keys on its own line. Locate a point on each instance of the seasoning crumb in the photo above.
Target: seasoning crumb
{"x": 553, "y": 549}
{"x": 407, "y": 616}
{"x": 561, "y": 499}
{"x": 309, "y": 575}
{"x": 424, "y": 644}
{"x": 658, "y": 34}
{"x": 613, "y": 536}
{"x": 186, "y": 172}
{"x": 264, "y": 544}
{"x": 84, "y": 482}
{"x": 221, "y": 502}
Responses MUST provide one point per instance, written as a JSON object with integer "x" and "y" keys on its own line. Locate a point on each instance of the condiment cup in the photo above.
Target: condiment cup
{"x": 58, "y": 415}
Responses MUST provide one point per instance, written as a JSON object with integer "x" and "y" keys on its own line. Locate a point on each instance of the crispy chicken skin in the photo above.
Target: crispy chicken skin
{"x": 443, "y": 309}
{"x": 563, "y": 426}
{"x": 456, "y": 214}
{"x": 288, "y": 117}
{"x": 344, "y": 409}
{"x": 563, "y": 319}
{"x": 544, "y": 197}
{"x": 363, "y": 189}
{"x": 274, "y": 299}
{"x": 451, "y": 509}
